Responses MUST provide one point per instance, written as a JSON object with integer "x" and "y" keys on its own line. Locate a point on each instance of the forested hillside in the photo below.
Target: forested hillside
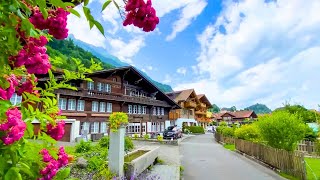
{"x": 259, "y": 108}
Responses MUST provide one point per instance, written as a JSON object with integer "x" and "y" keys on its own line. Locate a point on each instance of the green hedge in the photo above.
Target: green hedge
{"x": 195, "y": 129}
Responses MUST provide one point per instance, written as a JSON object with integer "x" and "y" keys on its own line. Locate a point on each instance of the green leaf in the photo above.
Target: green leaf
{"x": 47, "y": 138}
{"x": 43, "y": 7}
{"x": 58, "y": 3}
{"x": 74, "y": 12}
{"x": 86, "y": 2}
{"x": 99, "y": 26}
{"x": 62, "y": 174}
{"x": 30, "y": 129}
{"x": 13, "y": 174}
{"x": 26, "y": 169}
{"x": 116, "y": 4}
{"x": 105, "y": 5}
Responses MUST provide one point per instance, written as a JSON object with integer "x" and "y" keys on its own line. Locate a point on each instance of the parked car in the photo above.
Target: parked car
{"x": 172, "y": 132}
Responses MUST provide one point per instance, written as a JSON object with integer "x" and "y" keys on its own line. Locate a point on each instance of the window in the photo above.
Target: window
{"x": 114, "y": 79}
{"x": 130, "y": 109}
{"x": 95, "y": 105}
{"x": 102, "y": 107}
{"x": 144, "y": 109}
{"x": 85, "y": 127}
{"x": 107, "y": 87}
{"x": 15, "y": 99}
{"x": 158, "y": 112}
{"x": 71, "y": 104}
{"x": 109, "y": 107}
{"x": 62, "y": 103}
{"x": 95, "y": 127}
{"x": 103, "y": 127}
{"x": 134, "y": 109}
{"x": 100, "y": 86}
{"x": 191, "y": 112}
{"x": 80, "y": 105}
{"x": 162, "y": 111}
{"x": 90, "y": 85}
{"x": 154, "y": 111}
{"x": 139, "y": 109}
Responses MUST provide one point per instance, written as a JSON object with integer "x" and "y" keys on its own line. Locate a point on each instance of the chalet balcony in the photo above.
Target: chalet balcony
{"x": 112, "y": 97}
{"x": 202, "y": 105}
{"x": 174, "y": 115}
{"x": 201, "y": 112}
{"x": 190, "y": 104}
{"x": 203, "y": 119}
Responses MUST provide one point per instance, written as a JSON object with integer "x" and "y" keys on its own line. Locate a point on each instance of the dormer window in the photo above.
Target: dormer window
{"x": 114, "y": 79}
{"x": 90, "y": 85}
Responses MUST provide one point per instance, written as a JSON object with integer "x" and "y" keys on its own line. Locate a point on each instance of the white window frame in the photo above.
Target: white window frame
{"x": 154, "y": 111}
{"x": 90, "y": 85}
{"x": 129, "y": 109}
{"x": 102, "y": 107}
{"x": 62, "y": 104}
{"x": 144, "y": 109}
{"x": 139, "y": 109}
{"x": 100, "y": 86}
{"x": 15, "y": 99}
{"x": 162, "y": 111}
{"x": 107, "y": 87}
{"x": 72, "y": 104}
{"x": 103, "y": 127}
{"x": 109, "y": 107}
{"x": 95, "y": 106}
{"x": 135, "y": 109}
{"x": 80, "y": 106}
{"x": 86, "y": 126}
{"x": 158, "y": 111}
{"x": 94, "y": 127}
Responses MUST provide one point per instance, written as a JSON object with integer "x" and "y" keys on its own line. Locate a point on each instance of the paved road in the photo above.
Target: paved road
{"x": 204, "y": 159}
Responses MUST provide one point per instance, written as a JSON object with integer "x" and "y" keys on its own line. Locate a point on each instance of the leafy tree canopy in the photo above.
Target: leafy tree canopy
{"x": 214, "y": 109}
{"x": 306, "y": 115}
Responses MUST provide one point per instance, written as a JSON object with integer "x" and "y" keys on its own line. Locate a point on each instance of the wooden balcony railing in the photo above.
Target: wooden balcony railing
{"x": 190, "y": 104}
{"x": 174, "y": 115}
{"x": 112, "y": 97}
{"x": 201, "y": 112}
{"x": 202, "y": 105}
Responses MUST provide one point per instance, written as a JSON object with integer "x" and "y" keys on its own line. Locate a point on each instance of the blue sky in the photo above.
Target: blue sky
{"x": 236, "y": 52}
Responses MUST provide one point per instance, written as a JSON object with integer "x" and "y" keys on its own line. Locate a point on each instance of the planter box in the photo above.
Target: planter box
{"x": 141, "y": 163}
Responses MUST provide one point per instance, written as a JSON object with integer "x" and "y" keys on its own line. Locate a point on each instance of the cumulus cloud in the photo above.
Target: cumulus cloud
{"x": 182, "y": 70}
{"x": 167, "y": 79}
{"x": 261, "y": 52}
{"x": 188, "y": 13}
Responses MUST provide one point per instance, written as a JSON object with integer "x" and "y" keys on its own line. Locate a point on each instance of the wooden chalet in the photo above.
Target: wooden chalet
{"x": 232, "y": 117}
{"x": 122, "y": 89}
{"x": 194, "y": 108}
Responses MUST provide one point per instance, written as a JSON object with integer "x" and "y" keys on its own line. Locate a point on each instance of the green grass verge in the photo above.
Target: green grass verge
{"x": 231, "y": 147}
{"x": 288, "y": 176}
{"x": 313, "y": 168}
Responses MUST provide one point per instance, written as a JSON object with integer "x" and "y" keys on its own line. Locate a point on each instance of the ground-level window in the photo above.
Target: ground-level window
{"x": 85, "y": 128}
{"x": 95, "y": 127}
{"x": 103, "y": 127}
{"x": 144, "y": 109}
{"x": 135, "y": 128}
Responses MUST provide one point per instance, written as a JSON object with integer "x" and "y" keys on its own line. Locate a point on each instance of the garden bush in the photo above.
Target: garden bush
{"x": 310, "y": 134}
{"x": 83, "y": 146}
{"x": 159, "y": 138}
{"x": 104, "y": 142}
{"x": 249, "y": 132}
{"x": 228, "y": 132}
{"x": 282, "y": 130}
{"x": 128, "y": 144}
{"x": 195, "y": 129}
{"x": 146, "y": 136}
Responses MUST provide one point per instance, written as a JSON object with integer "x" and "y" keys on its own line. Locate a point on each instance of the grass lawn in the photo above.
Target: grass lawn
{"x": 288, "y": 176}
{"x": 231, "y": 147}
{"x": 313, "y": 168}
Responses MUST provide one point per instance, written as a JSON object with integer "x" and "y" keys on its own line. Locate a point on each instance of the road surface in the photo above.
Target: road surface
{"x": 204, "y": 159}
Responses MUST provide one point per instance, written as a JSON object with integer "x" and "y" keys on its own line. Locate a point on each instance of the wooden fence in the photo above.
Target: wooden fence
{"x": 307, "y": 147}
{"x": 291, "y": 163}
{"x": 222, "y": 139}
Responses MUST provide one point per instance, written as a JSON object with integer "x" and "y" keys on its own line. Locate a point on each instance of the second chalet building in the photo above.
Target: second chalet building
{"x": 122, "y": 89}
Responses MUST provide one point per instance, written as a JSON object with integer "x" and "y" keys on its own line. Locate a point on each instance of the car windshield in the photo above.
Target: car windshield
{"x": 170, "y": 128}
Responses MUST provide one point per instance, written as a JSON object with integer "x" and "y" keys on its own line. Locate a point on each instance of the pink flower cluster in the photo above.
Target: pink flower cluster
{"x": 57, "y": 131}
{"x": 141, "y": 14}
{"x": 33, "y": 56}
{"x": 14, "y": 127}
{"x": 56, "y": 22}
{"x": 28, "y": 87}
{"x": 52, "y": 165}
{"x": 6, "y": 94}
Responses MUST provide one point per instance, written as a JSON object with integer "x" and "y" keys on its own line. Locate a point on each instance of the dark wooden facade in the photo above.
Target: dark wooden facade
{"x": 127, "y": 90}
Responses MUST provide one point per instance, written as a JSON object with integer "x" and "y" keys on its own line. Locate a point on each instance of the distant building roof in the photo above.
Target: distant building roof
{"x": 183, "y": 95}
{"x": 236, "y": 115}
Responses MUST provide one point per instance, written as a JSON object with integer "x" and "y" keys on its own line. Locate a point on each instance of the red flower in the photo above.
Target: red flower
{"x": 57, "y": 131}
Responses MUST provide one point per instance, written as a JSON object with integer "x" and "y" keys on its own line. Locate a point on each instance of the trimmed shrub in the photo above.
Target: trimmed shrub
{"x": 249, "y": 132}
{"x": 228, "y": 132}
{"x": 159, "y": 138}
{"x": 83, "y": 147}
{"x": 195, "y": 129}
{"x": 282, "y": 130}
{"x": 135, "y": 136}
{"x": 146, "y": 136}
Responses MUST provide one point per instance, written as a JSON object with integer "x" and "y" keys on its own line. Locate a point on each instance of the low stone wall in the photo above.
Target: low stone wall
{"x": 138, "y": 165}
{"x": 169, "y": 142}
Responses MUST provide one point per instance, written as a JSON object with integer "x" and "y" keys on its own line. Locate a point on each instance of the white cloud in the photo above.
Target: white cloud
{"x": 189, "y": 13}
{"x": 150, "y": 68}
{"x": 261, "y": 52}
{"x": 79, "y": 28}
{"x": 182, "y": 70}
{"x": 167, "y": 79}
{"x": 126, "y": 50}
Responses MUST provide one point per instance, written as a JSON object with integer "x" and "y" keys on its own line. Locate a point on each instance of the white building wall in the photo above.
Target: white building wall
{"x": 180, "y": 121}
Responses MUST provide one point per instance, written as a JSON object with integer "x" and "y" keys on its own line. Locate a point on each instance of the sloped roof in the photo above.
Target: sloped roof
{"x": 181, "y": 95}
{"x": 237, "y": 114}
{"x": 203, "y": 98}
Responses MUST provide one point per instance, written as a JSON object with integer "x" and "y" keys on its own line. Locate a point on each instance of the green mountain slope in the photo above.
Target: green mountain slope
{"x": 259, "y": 108}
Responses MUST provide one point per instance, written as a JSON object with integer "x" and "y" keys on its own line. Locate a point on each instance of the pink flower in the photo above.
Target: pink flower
{"x": 62, "y": 157}
{"x": 57, "y": 131}
{"x": 14, "y": 127}
{"x": 6, "y": 94}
